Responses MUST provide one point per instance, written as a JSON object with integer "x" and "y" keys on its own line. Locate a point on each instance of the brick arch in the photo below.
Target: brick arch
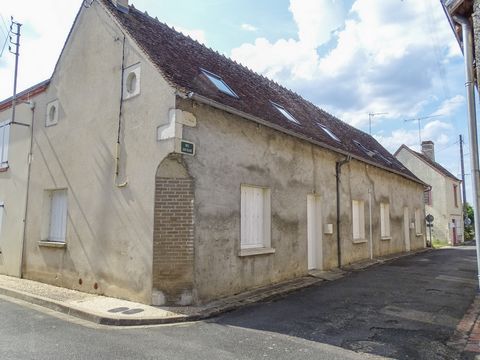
{"x": 173, "y": 250}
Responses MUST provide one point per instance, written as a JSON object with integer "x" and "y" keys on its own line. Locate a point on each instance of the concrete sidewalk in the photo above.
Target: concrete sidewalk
{"x": 112, "y": 311}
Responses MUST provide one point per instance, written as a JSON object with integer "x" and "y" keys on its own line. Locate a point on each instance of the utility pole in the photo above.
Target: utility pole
{"x": 419, "y": 120}
{"x": 462, "y": 166}
{"x": 370, "y": 117}
{"x": 16, "y": 52}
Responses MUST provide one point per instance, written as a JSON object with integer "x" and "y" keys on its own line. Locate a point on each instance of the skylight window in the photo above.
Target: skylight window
{"x": 364, "y": 149}
{"x": 285, "y": 113}
{"x": 382, "y": 157}
{"x": 219, "y": 83}
{"x": 329, "y": 133}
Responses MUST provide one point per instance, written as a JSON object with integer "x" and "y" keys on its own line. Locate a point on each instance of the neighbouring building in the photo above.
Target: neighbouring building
{"x": 164, "y": 172}
{"x": 442, "y": 199}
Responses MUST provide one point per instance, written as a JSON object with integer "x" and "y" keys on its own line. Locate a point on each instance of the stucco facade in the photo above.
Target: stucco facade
{"x": 444, "y": 201}
{"x": 156, "y": 223}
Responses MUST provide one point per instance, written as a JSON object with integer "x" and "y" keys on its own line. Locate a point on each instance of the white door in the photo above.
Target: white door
{"x": 406, "y": 228}
{"x": 314, "y": 228}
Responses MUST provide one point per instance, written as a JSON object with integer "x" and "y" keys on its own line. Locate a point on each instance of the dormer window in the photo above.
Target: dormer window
{"x": 364, "y": 149}
{"x": 285, "y": 113}
{"x": 329, "y": 133}
{"x": 219, "y": 83}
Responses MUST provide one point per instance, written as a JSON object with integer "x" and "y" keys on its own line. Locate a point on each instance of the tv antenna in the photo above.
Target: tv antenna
{"x": 370, "y": 117}
{"x": 419, "y": 120}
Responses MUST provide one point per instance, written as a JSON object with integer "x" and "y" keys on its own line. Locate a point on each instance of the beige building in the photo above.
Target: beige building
{"x": 163, "y": 172}
{"x": 442, "y": 199}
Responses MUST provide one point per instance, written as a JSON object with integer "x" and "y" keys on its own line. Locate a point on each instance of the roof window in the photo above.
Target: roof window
{"x": 364, "y": 149}
{"x": 219, "y": 83}
{"x": 329, "y": 132}
{"x": 285, "y": 113}
{"x": 382, "y": 157}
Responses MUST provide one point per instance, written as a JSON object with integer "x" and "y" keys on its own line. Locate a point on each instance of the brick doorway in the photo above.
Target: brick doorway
{"x": 173, "y": 250}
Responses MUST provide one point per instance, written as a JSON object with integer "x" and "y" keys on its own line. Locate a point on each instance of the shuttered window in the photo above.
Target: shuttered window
{"x": 358, "y": 219}
{"x": 255, "y": 217}
{"x": 2, "y": 207}
{"x": 4, "y": 140}
{"x": 58, "y": 215}
{"x": 418, "y": 222}
{"x": 385, "y": 220}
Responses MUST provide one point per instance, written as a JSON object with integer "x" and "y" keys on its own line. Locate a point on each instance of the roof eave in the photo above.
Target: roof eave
{"x": 204, "y": 100}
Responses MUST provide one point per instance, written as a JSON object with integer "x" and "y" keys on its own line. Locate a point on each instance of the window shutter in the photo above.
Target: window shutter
{"x": 255, "y": 212}
{"x": 4, "y": 140}
{"x": 58, "y": 216}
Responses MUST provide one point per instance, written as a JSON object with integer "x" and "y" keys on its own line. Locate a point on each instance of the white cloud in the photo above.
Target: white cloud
{"x": 45, "y": 27}
{"x": 386, "y": 56}
{"x": 449, "y": 106}
{"x": 436, "y": 131}
{"x": 248, "y": 27}
{"x": 195, "y": 34}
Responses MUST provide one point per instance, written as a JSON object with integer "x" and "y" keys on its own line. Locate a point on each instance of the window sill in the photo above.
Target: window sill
{"x": 386, "y": 238}
{"x": 256, "y": 251}
{"x": 359, "y": 241}
{"x": 419, "y": 234}
{"x": 52, "y": 244}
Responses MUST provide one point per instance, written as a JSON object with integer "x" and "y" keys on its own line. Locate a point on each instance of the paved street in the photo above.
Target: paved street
{"x": 406, "y": 309}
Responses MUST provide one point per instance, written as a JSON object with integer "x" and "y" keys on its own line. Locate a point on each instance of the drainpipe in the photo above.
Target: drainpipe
{"x": 30, "y": 152}
{"x": 370, "y": 217}
{"x": 119, "y": 129}
{"x": 338, "y": 171}
{"x": 467, "y": 41}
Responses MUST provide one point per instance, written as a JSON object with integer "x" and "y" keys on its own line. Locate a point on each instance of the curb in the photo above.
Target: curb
{"x": 216, "y": 308}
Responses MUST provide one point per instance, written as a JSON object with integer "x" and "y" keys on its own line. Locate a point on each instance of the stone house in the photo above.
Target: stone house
{"x": 163, "y": 172}
{"x": 442, "y": 199}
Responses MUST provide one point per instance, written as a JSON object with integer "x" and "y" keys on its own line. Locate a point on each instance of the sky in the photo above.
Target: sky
{"x": 395, "y": 58}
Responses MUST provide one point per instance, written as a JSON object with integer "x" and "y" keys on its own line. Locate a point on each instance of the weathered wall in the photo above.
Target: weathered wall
{"x": 109, "y": 229}
{"x": 13, "y": 189}
{"x": 443, "y": 208}
{"x": 232, "y": 151}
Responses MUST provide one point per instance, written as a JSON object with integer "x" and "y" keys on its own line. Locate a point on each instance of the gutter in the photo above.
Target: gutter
{"x": 204, "y": 100}
{"x": 467, "y": 40}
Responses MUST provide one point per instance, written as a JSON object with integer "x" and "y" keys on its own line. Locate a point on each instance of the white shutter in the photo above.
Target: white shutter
{"x": 58, "y": 216}
{"x": 384, "y": 220}
{"x": 4, "y": 140}
{"x": 2, "y": 207}
{"x": 254, "y": 212}
{"x": 355, "y": 219}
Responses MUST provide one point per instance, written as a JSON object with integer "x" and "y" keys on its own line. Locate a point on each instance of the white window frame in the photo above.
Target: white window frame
{"x": 57, "y": 226}
{"x": 2, "y": 210}
{"x": 4, "y": 142}
{"x": 418, "y": 222}
{"x": 255, "y": 230}
{"x": 358, "y": 220}
{"x": 52, "y": 120}
{"x": 385, "y": 220}
{"x": 219, "y": 83}
{"x": 132, "y": 70}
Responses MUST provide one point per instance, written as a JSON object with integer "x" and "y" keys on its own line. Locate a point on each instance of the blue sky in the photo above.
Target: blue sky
{"x": 349, "y": 57}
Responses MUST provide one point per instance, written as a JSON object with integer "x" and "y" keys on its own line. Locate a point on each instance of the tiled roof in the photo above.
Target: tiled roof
{"x": 430, "y": 162}
{"x": 25, "y": 95}
{"x": 180, "y": 59}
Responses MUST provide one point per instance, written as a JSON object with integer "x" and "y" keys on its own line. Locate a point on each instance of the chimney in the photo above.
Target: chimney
{"x": 428, "y": 149}
{"x": 121, "y": 5}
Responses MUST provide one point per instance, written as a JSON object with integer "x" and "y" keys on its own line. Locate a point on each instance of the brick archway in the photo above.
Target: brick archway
{"x": 173, "y": 249}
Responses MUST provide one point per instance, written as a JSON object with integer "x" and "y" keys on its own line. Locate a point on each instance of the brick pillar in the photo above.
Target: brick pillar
{"x": 173, "y": 250}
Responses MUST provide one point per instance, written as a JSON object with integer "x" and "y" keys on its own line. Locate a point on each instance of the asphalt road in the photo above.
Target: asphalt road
{"x": 407, "y": 309}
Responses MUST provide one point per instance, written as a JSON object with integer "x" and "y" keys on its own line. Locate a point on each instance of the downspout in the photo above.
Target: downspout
{"x": 370, "y": 222}
{"x": 467, "y": 41}
{"x": 338, "y": 171}
{"x": 117, "y": 145}
{"x": 30, "y": 154}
